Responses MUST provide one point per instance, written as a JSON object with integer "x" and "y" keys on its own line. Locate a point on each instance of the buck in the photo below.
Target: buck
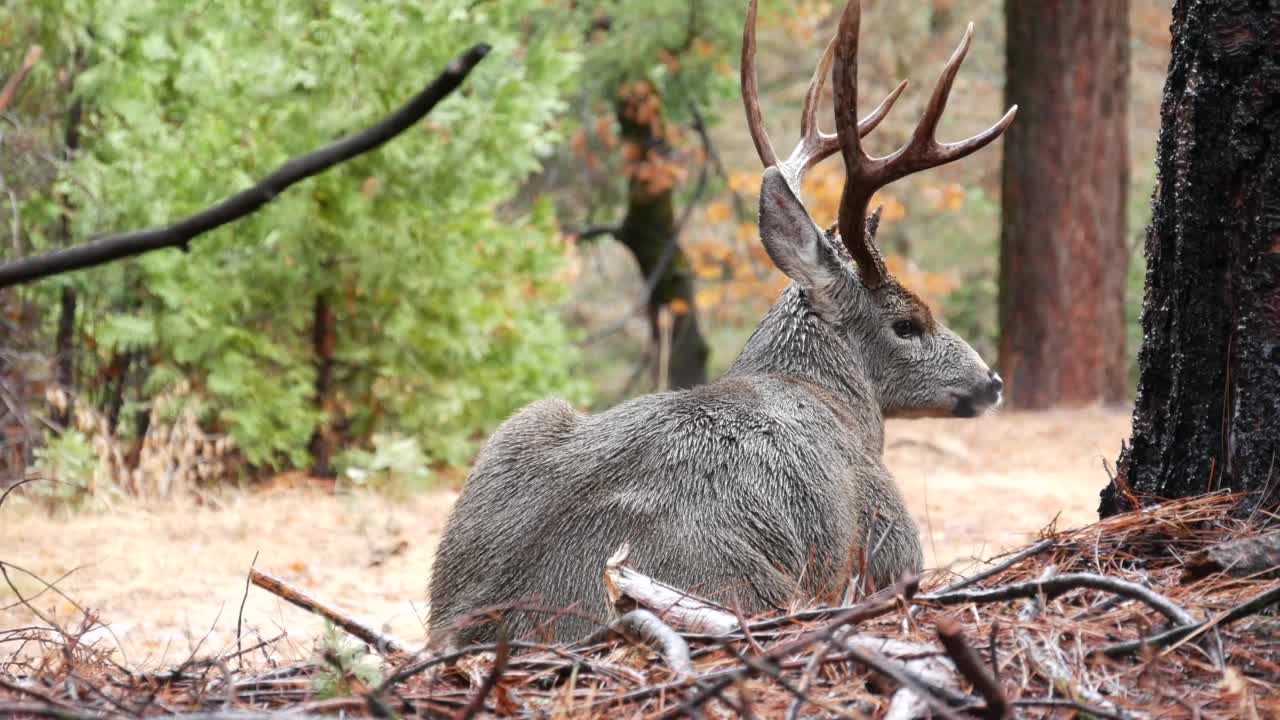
{"x": 758, "y": 489}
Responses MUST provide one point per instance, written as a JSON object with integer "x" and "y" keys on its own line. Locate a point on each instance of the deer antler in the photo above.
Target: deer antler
{"x": 815, "y": 145}
{"x": 864, "y": 175}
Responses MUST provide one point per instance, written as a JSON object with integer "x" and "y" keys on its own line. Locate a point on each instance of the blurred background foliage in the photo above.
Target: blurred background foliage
{"x": 379, "y": 320}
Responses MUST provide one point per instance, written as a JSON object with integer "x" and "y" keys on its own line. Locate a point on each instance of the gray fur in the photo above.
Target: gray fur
{"x": 755, "y": 490}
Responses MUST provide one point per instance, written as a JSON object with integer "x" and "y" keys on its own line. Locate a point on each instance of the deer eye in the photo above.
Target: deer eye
{"x": 907, "y": 329}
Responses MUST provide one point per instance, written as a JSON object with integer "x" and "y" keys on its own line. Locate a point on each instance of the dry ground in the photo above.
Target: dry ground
{"x": 165, "y": 576}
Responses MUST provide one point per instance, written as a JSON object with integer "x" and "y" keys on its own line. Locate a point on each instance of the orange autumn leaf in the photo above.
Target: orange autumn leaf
{"x": 718, "y": 211}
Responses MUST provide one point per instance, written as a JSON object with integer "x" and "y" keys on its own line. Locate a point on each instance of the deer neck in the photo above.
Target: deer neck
{"x": 792, "y": 341}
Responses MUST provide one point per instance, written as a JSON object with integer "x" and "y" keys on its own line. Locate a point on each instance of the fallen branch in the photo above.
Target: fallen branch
{"x": 970, "y": 665}
{"x": 1014, "y": 559}
{"x": 1060, "y": 584}
{"x": 383, "y": 644}
{"x": 179, "y": 234}
{"x": 1185, "y": 632}
{"x": 625, "y": 585}
{"x": 922, "y": 679}
{"x": 643, "y": 627}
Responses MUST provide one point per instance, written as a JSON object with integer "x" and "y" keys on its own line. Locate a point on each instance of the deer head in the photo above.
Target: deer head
{"x": 917, "y": 366}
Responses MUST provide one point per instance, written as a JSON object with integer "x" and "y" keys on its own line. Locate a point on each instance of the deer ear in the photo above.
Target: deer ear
{"x": 792, "y": 240}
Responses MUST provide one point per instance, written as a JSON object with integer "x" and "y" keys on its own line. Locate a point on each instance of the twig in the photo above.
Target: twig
{"x": 382, "y": 643}
{"x": 20, "y": 709}
{"x": 806, "y": 680}
{"x": 1055, "y": 586}
{"x": 33, "y": 692}
{"x": 15, "y": 486}
{"x": 970, "y": 665}
{"x": 902, "y": 706}
{"x": 689, "y": 612}
{"x": 501, "y": 654}
{"x": 881, "y": 604}
{"x": 1014, "y": 559}
{"x": 643, "y": 627}
{"x": 1252, "y": 606}
{"x": 1070, "y": 704}
{"x": 243, "y": 599}
{"x": 115, "y": 247}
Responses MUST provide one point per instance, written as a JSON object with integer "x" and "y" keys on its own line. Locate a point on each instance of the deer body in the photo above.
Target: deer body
{"x": 762, "y": 487}
{"x": 752, "y": 490}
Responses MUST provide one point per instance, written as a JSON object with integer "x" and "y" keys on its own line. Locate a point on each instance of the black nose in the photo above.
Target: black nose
{"x": 996, "y": 383}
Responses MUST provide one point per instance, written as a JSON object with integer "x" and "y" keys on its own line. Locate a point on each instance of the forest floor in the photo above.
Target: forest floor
{"x": 169, "y": 578}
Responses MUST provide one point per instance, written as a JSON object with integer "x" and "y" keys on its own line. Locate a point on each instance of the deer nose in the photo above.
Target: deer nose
{"x": 996, "y": 383}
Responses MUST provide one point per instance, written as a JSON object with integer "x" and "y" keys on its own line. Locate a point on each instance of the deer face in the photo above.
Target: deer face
{"x": 918, "y": 366}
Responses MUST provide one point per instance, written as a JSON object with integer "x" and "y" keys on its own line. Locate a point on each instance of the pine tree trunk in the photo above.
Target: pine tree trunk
{"x": 324, "y": 337}
{"x": 1063, "y": 257}
{"x": 64, "y": 348}
{"x": 1207, "y": 415}
{"x": 650, "y": 231}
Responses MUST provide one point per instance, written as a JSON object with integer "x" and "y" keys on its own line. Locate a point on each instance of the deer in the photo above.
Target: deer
{"x": 757, "y": 489}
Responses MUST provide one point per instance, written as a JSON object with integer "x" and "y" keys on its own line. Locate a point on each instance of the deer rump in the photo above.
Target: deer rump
{"x": 753, "y": 492}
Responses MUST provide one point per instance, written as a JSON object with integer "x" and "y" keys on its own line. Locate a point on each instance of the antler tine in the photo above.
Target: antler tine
{"x": 814, "y": 145}
{"x": 751, "y": 92}
{"x": 864, "y": 174}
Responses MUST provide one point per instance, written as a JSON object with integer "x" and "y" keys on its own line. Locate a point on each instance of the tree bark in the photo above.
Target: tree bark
{"x": 1207, "y": 415}
{"x": 324, "y": 337}
{"x": 651, "y": 232}
{"x": 1063, "y": 256}
{"x": 64, "y": 349}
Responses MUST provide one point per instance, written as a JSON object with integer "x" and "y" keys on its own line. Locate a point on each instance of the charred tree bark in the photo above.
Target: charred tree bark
{"x": 324, "y": 337}
{"x": 1063, "y": 255}
{"x": 651, "y": 232}
{"x": 1207, "y": 415}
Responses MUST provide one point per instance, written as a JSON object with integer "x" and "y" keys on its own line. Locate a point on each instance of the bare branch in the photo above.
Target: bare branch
{"x": 384, "y": 644}
{"x": 643, "y": 627}
{"x": 122, "y": 245}
{"x": 969, "y": 665}
{"x": 1054, "y": 586}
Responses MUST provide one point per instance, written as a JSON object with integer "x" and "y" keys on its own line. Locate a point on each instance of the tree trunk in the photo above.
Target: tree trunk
{"x": 1063, "y": 257}
{"x": 650, "y": 231}
{"x": 324, "y": 336}
{"x": 64, "y": 364}
{"x": 1207, "y": 414}
{"x": 64, "y": 349}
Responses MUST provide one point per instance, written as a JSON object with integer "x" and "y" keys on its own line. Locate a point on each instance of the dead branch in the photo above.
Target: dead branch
{"x": 1252, "y": 606}
{"x": 15, "y": 80}
{"x": 919, "y": 693}
{"x": 644, "y": 628}
{"x": 1060, "y": 584}
{"x": 971, "y": 666}
{"x": 114, "y": 247}
{"x": 34, "y": 692}
{"x": 625, "y": 586}
{"x": 383, "y": 644}
{"x": 994, "y": 570}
